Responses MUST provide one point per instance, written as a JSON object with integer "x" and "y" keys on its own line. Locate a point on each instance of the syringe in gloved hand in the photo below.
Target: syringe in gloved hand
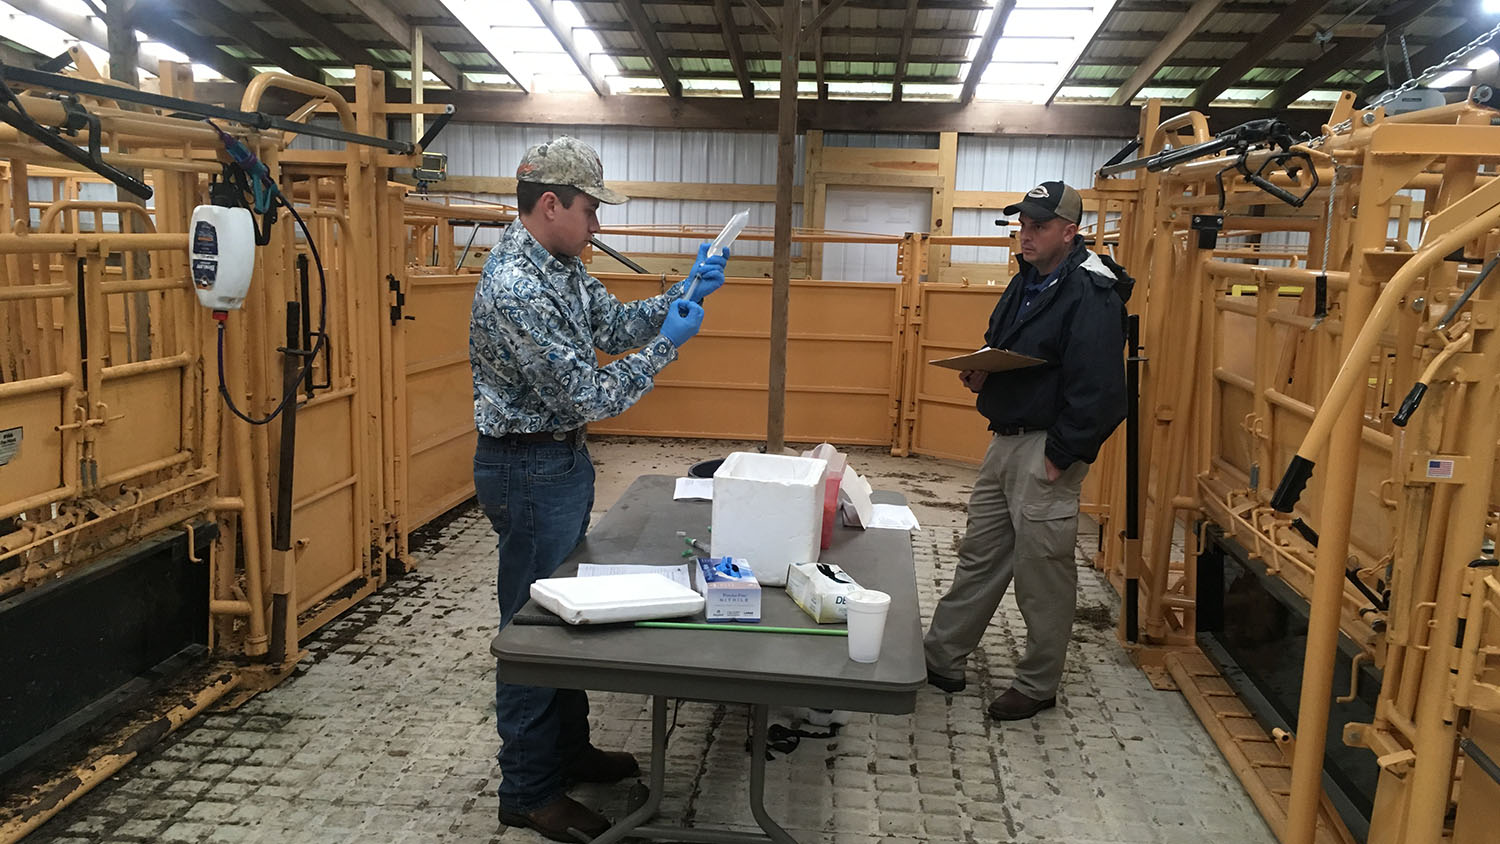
{"x": 726, "y": 236}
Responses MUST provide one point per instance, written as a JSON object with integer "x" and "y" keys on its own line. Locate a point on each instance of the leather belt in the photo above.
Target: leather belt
{"x": 541, "y": 437}
{"x": 1015, "y": 430}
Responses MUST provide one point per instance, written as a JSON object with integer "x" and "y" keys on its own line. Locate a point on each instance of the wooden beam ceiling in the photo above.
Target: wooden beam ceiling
{"x": 829, "y": 76}
{"x": 759, "y": 13}
{"x": 324, "y": 32}
{"x": 767, "y": 55}
{"x": 564, "y": 36}
{"x": 395, "y": 26}
{"x": 736, "y": 114}
{"x": 147, "y": 18}
{"x": 734, "y": 47}
{"x": 814, "y": 28}
{"x": 1342, "y": 52}
{"x": 733, "y": 113}
{"x": 1146, "y": 70}
{"x": 903, "y": 55}
{"x": 646, "y": 35}
{"x": 1254, "y": 53}
{"x": 241, "y": 31}
{"x": 986, "y": 49}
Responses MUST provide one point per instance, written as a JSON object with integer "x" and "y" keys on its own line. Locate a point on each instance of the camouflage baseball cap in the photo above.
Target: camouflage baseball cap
{"x": 568, "y": 161}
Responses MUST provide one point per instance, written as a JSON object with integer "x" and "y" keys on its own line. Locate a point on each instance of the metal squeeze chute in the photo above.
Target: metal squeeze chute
{"x": 1238, "y": 142}
{"x": 13, "y": 112}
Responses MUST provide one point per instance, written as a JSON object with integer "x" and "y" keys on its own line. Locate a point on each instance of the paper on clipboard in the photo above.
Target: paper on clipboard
{"x": 988, "y": 360}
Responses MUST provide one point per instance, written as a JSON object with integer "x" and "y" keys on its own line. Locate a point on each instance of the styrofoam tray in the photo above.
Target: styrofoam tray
{"x": 615, "y": 597}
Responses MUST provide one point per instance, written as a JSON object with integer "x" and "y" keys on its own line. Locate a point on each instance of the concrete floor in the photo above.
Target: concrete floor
{"x": 386, "y": 731}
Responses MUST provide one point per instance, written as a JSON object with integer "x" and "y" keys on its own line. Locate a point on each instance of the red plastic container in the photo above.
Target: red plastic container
{"x": 830, "y": 505}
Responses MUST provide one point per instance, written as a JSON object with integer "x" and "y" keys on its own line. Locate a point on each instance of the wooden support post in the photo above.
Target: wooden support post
{"x": 942, "y": 201}
{"x": 418, "y": 70}
{"x": 781, "y": 265}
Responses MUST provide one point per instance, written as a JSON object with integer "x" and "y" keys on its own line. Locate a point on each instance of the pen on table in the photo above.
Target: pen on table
{"x": 743, "y": 628}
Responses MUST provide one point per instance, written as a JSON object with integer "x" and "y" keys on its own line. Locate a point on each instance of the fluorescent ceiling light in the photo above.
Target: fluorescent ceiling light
{"x": 1491, "y": 7}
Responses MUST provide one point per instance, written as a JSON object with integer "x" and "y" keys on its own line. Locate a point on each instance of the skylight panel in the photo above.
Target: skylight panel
{"x": 45, "y": 38}
{"x": 1039, "y": 45}
{"x": 517, "y": 37}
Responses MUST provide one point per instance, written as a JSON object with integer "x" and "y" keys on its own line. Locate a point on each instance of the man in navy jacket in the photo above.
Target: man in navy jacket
{"x": 1067, "y": 307}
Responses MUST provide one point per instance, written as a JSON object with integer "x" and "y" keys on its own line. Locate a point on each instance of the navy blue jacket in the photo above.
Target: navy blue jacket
{"x": 1077, "y": 326}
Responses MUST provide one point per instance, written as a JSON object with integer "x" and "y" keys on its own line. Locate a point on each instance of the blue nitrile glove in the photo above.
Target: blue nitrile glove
{"x": 710, "y": 272}
{"x": 684, "y": 318}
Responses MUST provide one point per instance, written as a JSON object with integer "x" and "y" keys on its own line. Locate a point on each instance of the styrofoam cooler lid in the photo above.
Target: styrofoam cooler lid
{"x": 615, "y": 597}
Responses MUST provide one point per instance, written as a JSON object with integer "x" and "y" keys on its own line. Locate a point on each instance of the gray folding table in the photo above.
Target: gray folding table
{"x": 759, "y": 669}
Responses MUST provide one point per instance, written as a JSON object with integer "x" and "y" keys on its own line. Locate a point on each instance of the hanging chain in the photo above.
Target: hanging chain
{"x": 1333, "y": 189}
{"x": 1406, "y": 56}
{"x": 1448, "y": 61}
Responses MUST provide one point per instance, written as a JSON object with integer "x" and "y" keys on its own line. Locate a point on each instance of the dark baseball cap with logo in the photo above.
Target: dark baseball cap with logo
{"x": 1048, "y": 200}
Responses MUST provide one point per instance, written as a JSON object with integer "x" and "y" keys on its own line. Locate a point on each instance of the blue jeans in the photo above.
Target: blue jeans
{"x": 538, "y": 497}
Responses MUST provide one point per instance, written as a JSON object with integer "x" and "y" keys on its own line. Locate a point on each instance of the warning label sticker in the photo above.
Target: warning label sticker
{"x": 10, "y": 444}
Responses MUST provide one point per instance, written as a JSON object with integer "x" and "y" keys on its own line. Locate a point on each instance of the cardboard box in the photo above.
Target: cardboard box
{"x": 729, "y": 589}
{"x": 820, "y": 589}
{"x": 768, "y": 511}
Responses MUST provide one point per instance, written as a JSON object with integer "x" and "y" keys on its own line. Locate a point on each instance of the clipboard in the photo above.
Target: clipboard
{"x": 988, "y": 360}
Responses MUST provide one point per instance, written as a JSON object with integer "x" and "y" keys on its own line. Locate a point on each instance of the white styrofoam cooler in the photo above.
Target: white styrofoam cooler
{"x": 615, "y": 597}
{"x": 768, "y": 510}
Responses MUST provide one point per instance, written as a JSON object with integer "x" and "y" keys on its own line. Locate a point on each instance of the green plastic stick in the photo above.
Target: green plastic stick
{"x": 741, "y": 628}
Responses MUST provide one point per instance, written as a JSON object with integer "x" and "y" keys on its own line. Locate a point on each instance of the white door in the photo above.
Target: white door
{"x": 873, "y": 211}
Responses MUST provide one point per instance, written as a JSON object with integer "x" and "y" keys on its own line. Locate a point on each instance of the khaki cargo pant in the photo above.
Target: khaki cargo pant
{"x": 1022, "y": 527}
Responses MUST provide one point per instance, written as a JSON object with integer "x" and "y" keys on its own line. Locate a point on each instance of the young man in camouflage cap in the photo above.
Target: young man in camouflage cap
{"x": 537, "y": 318}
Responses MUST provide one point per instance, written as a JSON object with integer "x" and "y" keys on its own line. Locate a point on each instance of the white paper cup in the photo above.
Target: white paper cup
{"x": 867, "y": 611}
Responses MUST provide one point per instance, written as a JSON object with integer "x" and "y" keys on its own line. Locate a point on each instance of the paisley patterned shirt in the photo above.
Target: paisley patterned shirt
{"x": 535, "y": 323}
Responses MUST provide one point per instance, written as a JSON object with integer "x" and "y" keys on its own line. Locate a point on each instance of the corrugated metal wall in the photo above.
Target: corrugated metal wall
{"x": 637, "y": 155}
{"x": 1018, "y": 164}
{"x": 749, "y": 158}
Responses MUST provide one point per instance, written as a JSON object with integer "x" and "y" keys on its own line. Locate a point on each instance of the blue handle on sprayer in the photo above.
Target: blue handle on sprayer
{"x": 262, "y": 186}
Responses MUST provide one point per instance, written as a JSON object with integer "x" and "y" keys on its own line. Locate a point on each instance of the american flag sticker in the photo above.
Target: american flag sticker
{"x": 1440, "y": 468}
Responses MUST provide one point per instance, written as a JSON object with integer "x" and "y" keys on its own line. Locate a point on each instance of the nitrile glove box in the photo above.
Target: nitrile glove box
{"x": 768, "y": 511}
{"x": 729, "y": 589}
{"x": 821, "y": 590}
